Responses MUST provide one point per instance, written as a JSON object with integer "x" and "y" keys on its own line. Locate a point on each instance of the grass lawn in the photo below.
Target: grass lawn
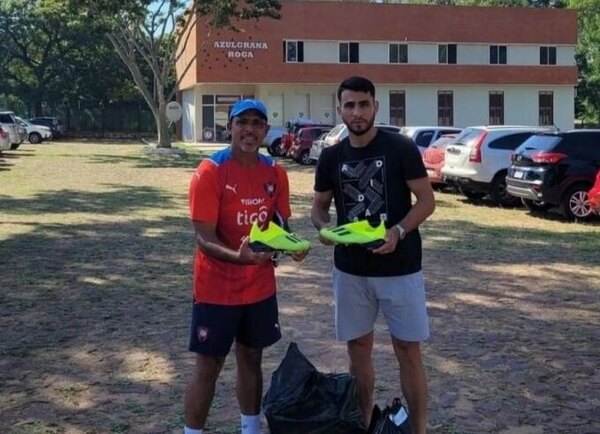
{"x": 95, "y": 295}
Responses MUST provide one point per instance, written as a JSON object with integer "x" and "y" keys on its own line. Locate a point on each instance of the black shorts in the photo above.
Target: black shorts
{"x": 214, "y": 326}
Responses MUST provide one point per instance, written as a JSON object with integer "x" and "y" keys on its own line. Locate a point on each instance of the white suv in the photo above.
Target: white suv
{"x": 425, "y": 136}
{"x": 9, "y": 124}
{"x": 477, "y": 164}
{"x": 35, "y": 133}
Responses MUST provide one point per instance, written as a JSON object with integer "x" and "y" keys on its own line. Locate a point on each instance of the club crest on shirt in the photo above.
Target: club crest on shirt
{"x": 270, "y": 188}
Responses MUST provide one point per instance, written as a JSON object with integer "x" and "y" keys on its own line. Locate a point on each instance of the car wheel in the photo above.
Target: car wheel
{"x": 35, "y": 138}
{"x": 499, "y": 195}
{"x": 576, "y": 203}
{"x": 15, "y": 146}
{"x": 305, "y": 159}
{"x": 278, "y": 149}
{"x": 272, "y": 148}
{"x": 470, "y": 194}
{"x": 535, "y": 206}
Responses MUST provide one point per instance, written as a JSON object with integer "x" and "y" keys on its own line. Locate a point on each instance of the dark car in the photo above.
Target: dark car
{"x": 55, "y": 124}
{"x": 556, "y": 169}
{"x": 303, "y": 141}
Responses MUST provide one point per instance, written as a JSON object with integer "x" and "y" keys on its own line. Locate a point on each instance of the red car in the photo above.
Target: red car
{"x": 303, "y": 140}
{"x": 287, "y": 140}
{"x": 433, "y": 157}
{"x": 594, "y": 195}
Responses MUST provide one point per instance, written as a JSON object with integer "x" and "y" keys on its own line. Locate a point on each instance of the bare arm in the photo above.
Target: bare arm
{"x": 422, "y": 208}
{"x": 209, "y": 243}
{"x": 320, "y": 209}
{"x": 319, "y": 213}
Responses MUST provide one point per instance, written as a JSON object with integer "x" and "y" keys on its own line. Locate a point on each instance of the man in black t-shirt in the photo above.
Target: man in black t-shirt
{"x": 371, "y": 175}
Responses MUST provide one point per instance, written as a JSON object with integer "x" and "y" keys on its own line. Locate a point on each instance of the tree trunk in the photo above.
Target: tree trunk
{"x": 164, "y": 139}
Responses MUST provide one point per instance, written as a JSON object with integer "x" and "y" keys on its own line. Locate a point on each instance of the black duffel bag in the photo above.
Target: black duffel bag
{"x": 301, "y": 400}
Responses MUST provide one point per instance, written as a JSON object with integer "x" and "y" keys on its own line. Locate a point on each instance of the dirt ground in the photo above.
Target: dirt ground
{"x": 94, "y": 323}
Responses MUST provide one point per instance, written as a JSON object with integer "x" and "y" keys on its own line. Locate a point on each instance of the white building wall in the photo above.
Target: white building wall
{"x": 422, "y": 53}
{"x": 473, "y": 54}
{"x": 314, "y": 101}
{"x": 188, "y": 104}
{"x": 373, "y": 52}
{"x": 321, "y": 52}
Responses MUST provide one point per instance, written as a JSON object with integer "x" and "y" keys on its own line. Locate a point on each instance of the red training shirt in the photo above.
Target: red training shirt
{"x": 232, "y": 196}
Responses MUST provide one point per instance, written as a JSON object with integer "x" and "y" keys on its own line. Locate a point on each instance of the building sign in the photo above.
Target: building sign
{"x": 240, "y": 49}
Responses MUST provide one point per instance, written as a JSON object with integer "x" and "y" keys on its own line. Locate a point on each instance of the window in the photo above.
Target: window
{"x": 397, "y": 108}
{"x": 447, "y": 53}
{"x": 445, "y": 108}
{"x": 398, "y": 53}
{"x": 348, "y": 52}
{"x": 546, "y": 109}
{"x": 547, "y": 55}
{"x": 496, "y": 108}
{"x": 510, "y": 142}
{"x": 498, "y": 54}
{"x": 423, "y": 138}
{"x": 293, "y": 51}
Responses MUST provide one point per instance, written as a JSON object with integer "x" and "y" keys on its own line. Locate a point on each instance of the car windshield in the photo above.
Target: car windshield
{"x": 539, "y": 142}
{"x": 468, "y": 137}
{"x": 337, "y": 129}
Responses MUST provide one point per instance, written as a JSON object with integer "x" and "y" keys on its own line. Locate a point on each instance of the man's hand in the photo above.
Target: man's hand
{"x": 391, "y": 241}
{"x": 299, "y": 256}
{"x": 248, "y": 257}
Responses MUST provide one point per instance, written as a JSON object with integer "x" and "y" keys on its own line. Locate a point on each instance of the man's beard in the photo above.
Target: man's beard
{"x": 361, "y": 132}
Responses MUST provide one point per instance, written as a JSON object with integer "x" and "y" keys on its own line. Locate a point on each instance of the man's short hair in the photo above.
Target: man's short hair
{"x": 356, "y": 84}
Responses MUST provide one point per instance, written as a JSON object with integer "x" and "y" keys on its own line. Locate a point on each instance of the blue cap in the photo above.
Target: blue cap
{"x": 248, "y": 104}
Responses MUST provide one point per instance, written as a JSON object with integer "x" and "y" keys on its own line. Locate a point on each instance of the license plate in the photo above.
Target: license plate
{"x": 518, "y": 174}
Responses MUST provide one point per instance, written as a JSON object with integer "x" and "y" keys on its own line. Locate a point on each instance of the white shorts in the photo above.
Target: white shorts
{"x": 401, "y": 299}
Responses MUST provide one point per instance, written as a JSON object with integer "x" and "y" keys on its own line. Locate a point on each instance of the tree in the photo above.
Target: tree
{"x": 154, "y": 33}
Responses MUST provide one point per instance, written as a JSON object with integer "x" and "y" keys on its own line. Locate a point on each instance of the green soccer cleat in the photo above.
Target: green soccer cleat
{"x": 359, "y": 233}
{"x": 275, "y": 239}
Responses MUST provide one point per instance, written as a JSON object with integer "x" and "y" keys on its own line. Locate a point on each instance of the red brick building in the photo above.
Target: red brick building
{"x": 432, "y": 65}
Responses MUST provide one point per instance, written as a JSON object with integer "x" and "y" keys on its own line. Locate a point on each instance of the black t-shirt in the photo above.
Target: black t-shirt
{"x": 370, "y": 183}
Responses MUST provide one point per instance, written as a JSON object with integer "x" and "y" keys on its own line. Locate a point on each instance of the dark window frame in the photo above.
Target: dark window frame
{"x": 546, "y": 107}
{"x": 547, "y": 55}
{"x": 348, "y": 52}
{"x": 398, "y": 53}
{"x": 447, "y": 54}
{"x": 496, "y": 107}
{"x": 445, "y": 105}
{"x": 299, "y": 51}
{"x": 398, "y": 111}
{"x": 498, "y": 55}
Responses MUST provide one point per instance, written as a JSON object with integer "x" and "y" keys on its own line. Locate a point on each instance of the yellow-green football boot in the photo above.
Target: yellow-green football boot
{"x": 358, "y": 233}
{"x": 275, "y": 239}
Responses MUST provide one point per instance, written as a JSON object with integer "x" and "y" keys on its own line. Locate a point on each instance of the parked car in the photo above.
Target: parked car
{"x": 478, "y": 162}
{"x": 594, "y": 194}
{"x": 433, "y": 158}
{"x": 35, "y": 133}
{"x": 317, "y": 146}
{"x": 556, "y": 169}
{"x": 9, "y": 124}
{"x": 425, "y": 136}
{"x": 55, "y": 124}
{"x": 340, "y": 132}
{"x": 303, "y": 140}
{"x": 272, "y": 140}
{"x": 4, "y": 140}
{"x": 293, "y": 126}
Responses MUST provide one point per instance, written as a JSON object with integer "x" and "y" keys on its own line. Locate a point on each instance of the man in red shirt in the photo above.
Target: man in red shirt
{"x": 234, "y": 287}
